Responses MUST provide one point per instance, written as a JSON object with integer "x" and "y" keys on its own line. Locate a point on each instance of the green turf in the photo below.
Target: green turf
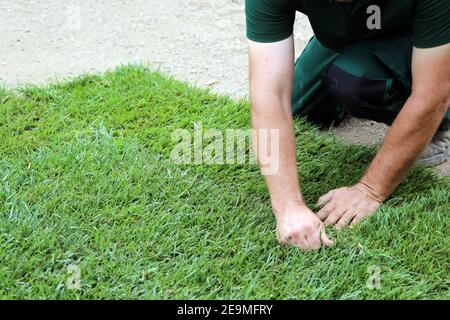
{"x": 86, "y": 179}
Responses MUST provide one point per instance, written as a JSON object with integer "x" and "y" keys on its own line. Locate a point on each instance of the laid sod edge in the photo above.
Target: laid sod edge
{"x": 87, "y": 185}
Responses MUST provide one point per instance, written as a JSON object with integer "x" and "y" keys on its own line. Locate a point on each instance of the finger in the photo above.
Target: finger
{"x": 298, "y": 241}
{"x": 345, "y": 219}
{"x": 302, "y": 244}
{"x": 277, "y": 234}
{"x": 314, "y": 240}
{"x": 326, "y": 210}
{"x": 325, "y": 199}
{"x": 357, "y": 219}
{"x": 283, "y": 240}
{"x": 334, "y": 216}
{"x": 324, "y": 238}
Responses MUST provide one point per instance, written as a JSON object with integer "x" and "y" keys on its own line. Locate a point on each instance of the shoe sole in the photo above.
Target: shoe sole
{"x": 435, "y": 160}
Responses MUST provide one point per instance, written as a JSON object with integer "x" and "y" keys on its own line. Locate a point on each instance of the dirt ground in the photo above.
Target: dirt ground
{"x": 200, "y": 41}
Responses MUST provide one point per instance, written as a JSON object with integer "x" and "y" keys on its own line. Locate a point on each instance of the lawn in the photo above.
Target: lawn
{"x": 88, "y": 191}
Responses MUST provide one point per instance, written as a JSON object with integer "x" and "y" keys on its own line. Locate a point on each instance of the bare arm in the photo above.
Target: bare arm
{"x": 417, "y": 122}
{"x": 271, "y": 78}
{"x": 410, "y": 133}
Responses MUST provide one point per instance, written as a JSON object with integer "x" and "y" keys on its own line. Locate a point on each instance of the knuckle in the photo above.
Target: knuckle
{"x": 330, "y": 220}
{"x": 296, "y": 234}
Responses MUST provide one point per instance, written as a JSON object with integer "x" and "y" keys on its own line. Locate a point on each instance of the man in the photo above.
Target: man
{"x": 395, "y": 70}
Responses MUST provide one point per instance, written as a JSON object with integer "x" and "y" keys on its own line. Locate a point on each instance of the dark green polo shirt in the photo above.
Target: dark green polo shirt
{"x": 337, "y": 25}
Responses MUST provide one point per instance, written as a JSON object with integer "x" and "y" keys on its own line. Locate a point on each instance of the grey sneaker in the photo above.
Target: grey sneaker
{"x": 438, "y": 151}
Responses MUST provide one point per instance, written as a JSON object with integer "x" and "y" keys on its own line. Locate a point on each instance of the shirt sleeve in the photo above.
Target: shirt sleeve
{"x": 269, "y": 20}
{"x": 431, "y": 23}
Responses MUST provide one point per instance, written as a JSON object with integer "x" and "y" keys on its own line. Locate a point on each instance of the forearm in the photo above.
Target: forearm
{"x": 407, "y": 138}
{"x": 283, "y": 184}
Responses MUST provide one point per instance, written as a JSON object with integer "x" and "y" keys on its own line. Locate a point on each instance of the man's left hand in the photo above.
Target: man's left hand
{"x": 347, "y": 206}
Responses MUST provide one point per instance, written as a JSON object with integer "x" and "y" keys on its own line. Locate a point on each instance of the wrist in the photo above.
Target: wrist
{"x": 281, "y": 209}
{"x": 371, "y": 190}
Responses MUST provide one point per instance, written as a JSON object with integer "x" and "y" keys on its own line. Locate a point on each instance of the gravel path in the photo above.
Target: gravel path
{"x": 201, "y": 41}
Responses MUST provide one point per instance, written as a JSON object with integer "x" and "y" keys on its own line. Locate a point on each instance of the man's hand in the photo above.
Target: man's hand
{"x": 300, "y": 227}
{"x": 350, "y": 205}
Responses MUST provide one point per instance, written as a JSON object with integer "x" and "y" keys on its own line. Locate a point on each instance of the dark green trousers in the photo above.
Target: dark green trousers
{"x": 370, "y": 79}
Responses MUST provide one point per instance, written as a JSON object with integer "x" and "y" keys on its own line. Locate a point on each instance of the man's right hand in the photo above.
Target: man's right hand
{"x": 300, "y": 227}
